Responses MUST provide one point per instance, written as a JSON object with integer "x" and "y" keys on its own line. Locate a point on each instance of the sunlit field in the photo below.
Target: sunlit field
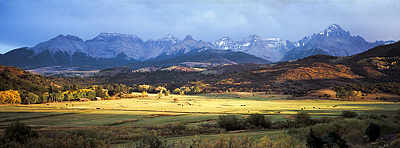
{"x": 173, "y": 108}
{"x": 138, "y": 114}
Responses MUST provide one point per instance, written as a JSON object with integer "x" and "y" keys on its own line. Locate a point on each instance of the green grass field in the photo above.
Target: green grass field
{"x": 139, "y": 113}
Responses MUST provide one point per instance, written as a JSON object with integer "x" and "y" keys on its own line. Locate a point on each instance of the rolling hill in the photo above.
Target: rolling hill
{"x": 376, "y": 70}
{"x": 203, "y": 57}
{"x": 13, "y": 78}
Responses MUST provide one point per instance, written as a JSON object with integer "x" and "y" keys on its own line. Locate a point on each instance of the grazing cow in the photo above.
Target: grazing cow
{"x": 84, "y": 99}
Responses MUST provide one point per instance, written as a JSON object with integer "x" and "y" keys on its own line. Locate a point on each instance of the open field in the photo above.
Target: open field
{"x": 149, "y": 112}
{"x": 154, "y": 110}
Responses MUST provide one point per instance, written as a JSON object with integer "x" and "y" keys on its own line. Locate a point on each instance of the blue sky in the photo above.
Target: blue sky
{"x": 28, "y": 22}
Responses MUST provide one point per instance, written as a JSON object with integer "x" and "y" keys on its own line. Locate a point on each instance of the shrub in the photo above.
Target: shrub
{"x": 18, "y": 132}
{"x": 333, "y": 139}
{"x": 176, "y": 129}
{"x": 373, "y": 131}
{"x": 87, "y": 134}
{"x": 284, "y": 124}
{"x": 259, "y": 121}
{"x": 279, "y": 141}
{"x": 395, "y": 143}
{"x": 151, "y": 141}
{"x": 349, "y": 114}
{"x": 100, "y": 92}
{"x": 144, "y": 94}
{"x": 160, "y": 95}
{"x": 397, "y": 116}
{"x": 144, "y": 88}
{"x": 177, "y": 90}
{"x": 339, "y": 133}
{"x": 65, "y": 141}
{"x": 354, "y": 138}
{"x": 326, "y": 139}
{"x": 30, "y": 98}
{"x": 230, "y": 122}
{"x": 167, "y": 93}
{"x": 303, "y": 119}
{"x": 314, "y": 141}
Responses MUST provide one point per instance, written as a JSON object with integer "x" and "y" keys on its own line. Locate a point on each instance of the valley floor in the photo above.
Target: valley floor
{"x": 126, "y": 118}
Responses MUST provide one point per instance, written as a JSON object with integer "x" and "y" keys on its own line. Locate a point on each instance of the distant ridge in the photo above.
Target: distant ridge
{"x": 115, "y": 49}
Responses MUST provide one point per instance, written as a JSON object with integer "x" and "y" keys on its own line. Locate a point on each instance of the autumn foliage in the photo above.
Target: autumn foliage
{"x": 10, "y": 97}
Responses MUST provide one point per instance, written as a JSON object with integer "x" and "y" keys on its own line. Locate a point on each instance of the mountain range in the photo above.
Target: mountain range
{"x": 375, "y": 70}
{"x": 115, "y": 49}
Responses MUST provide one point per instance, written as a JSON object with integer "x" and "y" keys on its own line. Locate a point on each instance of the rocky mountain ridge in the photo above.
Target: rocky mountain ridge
{"x": 67, "y": 50}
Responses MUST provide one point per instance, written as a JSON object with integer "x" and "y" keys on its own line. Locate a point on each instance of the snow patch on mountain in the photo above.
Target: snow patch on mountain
{"x": 62, "y": 43}
{"x": 333, "y": 40}
{"x": 271, "y": 49}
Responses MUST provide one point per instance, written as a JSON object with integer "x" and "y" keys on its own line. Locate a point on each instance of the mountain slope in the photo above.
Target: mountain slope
{"x": 374, "y": 71}
{"x": 203, "y": 57}
{"x": 382, "y": 62}
{"x": 271, "y": 49}
{"x": 333, "y": 41}
{"x": 27, "y": 59}
{"x": 109, "y": 45}
{"x": 389, "y": 50}
{"x": 63, "y": 43}
{"x": 299, "y": 54}
{"x": 17, "y": 79}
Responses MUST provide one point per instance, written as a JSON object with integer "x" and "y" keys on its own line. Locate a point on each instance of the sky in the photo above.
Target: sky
{"x": 28, "y": 22}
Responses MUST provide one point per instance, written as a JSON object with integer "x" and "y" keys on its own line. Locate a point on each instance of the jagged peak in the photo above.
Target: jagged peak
{"x": 224, "y": 37}
{"x": 170, "y": 37}
{"x": 61, "y": 43}
{"x": 67, "y": 37}
{"x": 105, "y": 35}
{"x": 334, "y": 27}
{"x": 254, "y": 37}
{"x": 188, "y": 37}
{"x": 276, "y": 39}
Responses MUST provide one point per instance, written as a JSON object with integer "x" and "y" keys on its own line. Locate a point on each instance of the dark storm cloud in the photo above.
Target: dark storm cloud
{"x": 27, "y": 22}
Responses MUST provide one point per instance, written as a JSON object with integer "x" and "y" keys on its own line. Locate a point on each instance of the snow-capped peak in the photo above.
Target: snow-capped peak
{"x": 188, "y": 37}
{"x": 169, "y": 37}
{"x": 334, "y": 28}
{"x": 224, "y": 42}
{"x": 273, "y": 39}
{"x": 105, "y": 36}
{"x": 253, "y": 38}
{"x": 225, "y": 37}
{"x": 67, "y": 37}
{"x": 62, "y": 43}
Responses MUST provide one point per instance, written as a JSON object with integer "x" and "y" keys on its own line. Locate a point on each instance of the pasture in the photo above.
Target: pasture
{"x": 128, "y": 116}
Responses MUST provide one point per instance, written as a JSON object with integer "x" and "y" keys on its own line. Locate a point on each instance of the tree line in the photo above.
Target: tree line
{"x": 93, "y": 92}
